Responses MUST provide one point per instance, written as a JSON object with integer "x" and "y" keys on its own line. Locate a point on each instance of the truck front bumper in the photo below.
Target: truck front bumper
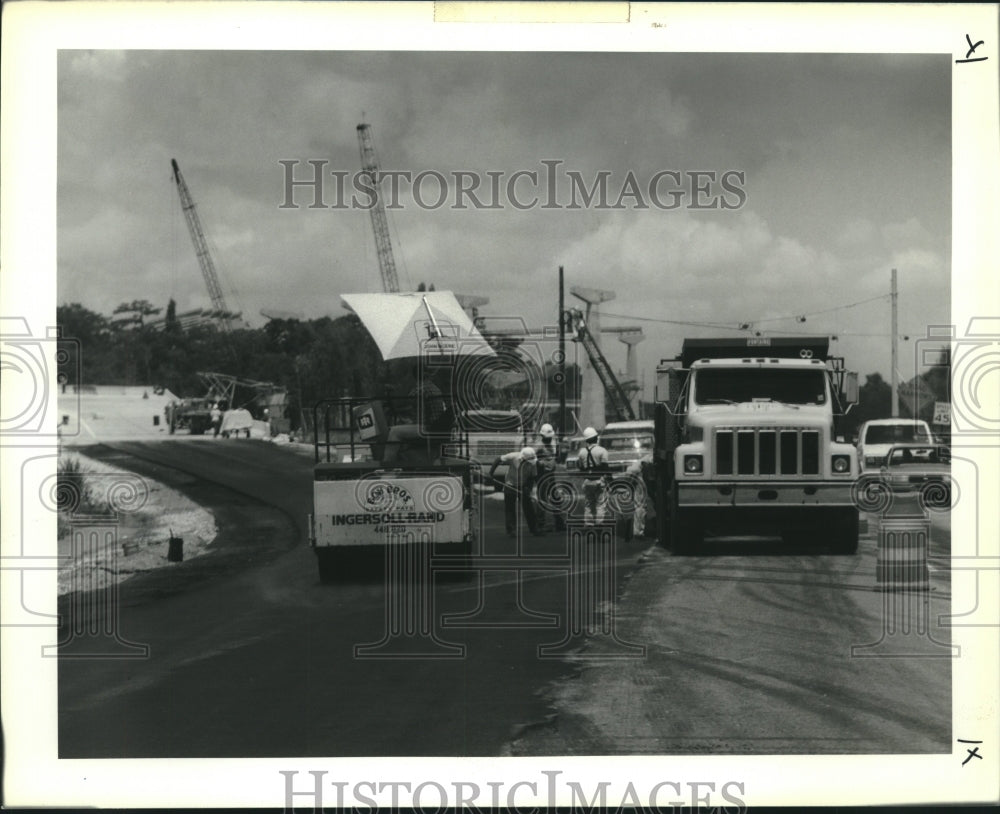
{"x": 765, "y": 493}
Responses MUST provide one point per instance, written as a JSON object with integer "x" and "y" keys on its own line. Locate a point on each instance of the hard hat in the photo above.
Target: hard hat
{"x": 589, "y": 433}
{"x": 546, "y": 431}
{"x": 528, "y": 453}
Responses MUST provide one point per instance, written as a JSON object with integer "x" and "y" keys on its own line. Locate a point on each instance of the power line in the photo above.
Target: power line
{"x": 719, "y": 325}
{"x": 730, "y": 327}
{"x": 825, "y": 310}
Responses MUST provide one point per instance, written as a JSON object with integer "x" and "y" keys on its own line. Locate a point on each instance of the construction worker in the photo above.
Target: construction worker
{"x": 216, "y": 416}
{"x": 593, "y": 460}
{"x": 547, "y": 453}
{"x": 643, "y": 472}
{"x": 522, "y": 472}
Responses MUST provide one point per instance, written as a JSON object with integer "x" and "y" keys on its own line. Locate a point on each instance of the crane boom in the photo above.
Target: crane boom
{"x": 620, "y": 401}
{"x": 201, "y": 248}
{"x": 380, "y": 225}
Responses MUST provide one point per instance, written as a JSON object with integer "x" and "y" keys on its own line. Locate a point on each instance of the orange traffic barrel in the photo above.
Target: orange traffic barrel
{"x": 901, "y": 563}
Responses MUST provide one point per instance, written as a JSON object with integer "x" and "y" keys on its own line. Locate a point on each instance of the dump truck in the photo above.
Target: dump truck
{"x": 748, "y": 441}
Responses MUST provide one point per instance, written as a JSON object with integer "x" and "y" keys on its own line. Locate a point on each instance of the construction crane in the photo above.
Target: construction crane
{"x": 619, "y": 400}
{"x": 380, "y": 225}
{"x": 201, "y": 249}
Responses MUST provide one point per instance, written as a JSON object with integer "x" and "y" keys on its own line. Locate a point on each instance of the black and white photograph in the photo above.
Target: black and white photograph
{"x": 476, "y": 405}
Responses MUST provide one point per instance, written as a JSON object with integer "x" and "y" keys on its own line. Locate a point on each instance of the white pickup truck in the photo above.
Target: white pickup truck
{"x": 877, "y": 437}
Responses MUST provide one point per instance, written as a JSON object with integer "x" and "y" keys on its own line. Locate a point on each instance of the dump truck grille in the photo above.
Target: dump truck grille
{"x": 755, "y": 451}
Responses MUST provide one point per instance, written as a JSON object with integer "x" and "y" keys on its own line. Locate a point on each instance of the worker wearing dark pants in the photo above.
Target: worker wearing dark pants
{"x": 546, "y": 453}
{"x": 518, "y": 483}
{"x": 593, "y": 460}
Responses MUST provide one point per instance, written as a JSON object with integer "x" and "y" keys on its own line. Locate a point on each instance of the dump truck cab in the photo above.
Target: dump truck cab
{"x": 747, "y": 438}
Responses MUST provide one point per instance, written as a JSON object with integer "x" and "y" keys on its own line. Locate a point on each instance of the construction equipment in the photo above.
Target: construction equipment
{"x": 194, "y": 414}
{"x": 630, "y": 337}
{"x": 745, "y": 437}
{"x": 380, "y": 225}
{"x": 393, "y": 474}
{"x": 222, "y": 388}
{"x": 616, "y": 393}
{"x": 223, "y": 313}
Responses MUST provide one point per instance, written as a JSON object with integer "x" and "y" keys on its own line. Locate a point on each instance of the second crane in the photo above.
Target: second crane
{"x": 380, "y": 225}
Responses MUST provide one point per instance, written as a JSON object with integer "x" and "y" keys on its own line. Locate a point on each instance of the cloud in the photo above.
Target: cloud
{"x": 919, "y": 266}
{"x": 856, "y": 233}
{"x": 100, "y": 65}
{"x": 839, "y": 155}
{"x": 909, "y": 232}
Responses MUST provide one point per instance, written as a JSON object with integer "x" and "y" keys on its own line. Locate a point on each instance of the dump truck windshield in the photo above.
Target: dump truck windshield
{"x": 735, "y": 385}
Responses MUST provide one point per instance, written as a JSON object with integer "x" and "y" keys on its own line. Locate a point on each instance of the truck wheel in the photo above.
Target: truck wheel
{"x": 844, "y": 531}
{"x": 663, "y": 512}
{"x": 326, "y": 565}
{"x": 686, "y": 533}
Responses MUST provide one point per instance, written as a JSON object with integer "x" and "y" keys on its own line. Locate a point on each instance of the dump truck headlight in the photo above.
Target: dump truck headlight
{"x": 841, "y": 464}
{"x": 692, "y": 464}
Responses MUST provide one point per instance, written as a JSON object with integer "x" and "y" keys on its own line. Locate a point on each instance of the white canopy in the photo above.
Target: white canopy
{"x": 418, "y": 323}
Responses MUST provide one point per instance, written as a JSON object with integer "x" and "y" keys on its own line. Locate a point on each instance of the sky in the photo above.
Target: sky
{"x": 839, "y": 171}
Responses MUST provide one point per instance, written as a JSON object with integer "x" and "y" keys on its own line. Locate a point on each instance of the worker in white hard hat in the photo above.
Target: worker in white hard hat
{"x": 522, "y": 472}
{"x": 548, "y": 453}
{"x": 593, "y": 460}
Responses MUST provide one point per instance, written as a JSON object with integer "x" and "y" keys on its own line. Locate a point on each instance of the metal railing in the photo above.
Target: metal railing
{"x": 335, "y": 426}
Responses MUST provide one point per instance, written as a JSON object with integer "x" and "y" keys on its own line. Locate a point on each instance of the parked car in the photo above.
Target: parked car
{"x": 877, "y": 437}
{"x": 922, "y": 468}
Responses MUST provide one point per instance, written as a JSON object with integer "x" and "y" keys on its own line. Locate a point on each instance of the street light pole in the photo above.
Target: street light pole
{"x": 562, "y": 360}
{"x": 895, "y": 350}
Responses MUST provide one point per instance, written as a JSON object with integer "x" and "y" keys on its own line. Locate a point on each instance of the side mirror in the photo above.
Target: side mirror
{"x": 851, "y": 390}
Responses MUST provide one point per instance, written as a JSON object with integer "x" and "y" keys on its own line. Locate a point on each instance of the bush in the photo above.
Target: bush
{"x": 73, "y": 493}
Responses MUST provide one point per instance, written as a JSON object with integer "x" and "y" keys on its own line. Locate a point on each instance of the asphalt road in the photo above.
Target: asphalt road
{"x": 747, "y": 650}
{"x": 757, "y": 649}
{"x": 261, "y": 663}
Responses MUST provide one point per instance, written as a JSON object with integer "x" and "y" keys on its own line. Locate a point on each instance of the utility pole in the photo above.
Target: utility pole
{"x": 562, "y": 359}
{"x": 895, "y": 350}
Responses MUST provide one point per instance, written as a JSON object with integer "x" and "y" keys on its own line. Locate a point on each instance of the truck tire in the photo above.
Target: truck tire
{"x": 844, "y": 530}
{"x": 326, "y": 565}
{"x": 686, "y": 532}
{"x": 663, "y": 509}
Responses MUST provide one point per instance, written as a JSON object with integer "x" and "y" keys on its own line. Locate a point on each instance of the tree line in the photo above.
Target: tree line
{"x": 312, "y": 359}
{"x": 317, "y": 359}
